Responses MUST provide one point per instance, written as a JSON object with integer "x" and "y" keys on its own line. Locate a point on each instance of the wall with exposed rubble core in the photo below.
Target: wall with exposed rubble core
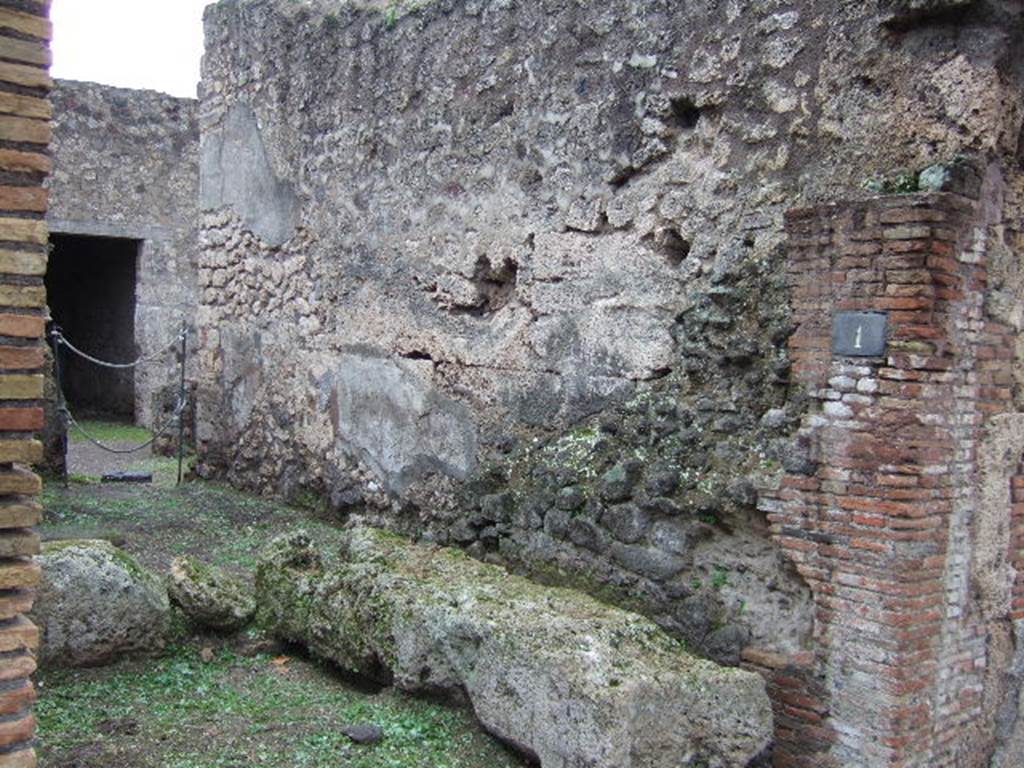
{"x": 126, "y": 166}
{"x": 516, "y": 277}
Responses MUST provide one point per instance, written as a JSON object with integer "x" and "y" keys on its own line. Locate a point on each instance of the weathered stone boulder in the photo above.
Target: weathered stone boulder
{"x": 96, "y": 603}
{"x": 559, "y": 675}
{"x": 208, "y": 596}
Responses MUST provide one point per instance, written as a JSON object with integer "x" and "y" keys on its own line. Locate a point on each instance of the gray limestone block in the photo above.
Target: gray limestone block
{"x": 648, "y": 561}
{"x": 557, "y": 674}
{"x": 626, "y": 522}
{"x": 617, "y": 483}
{"x": 96, "y": 604}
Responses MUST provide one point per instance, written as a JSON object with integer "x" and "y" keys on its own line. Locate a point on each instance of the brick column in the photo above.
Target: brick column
{"x": 884, "y": 522}
{"x": 24, "y": 164}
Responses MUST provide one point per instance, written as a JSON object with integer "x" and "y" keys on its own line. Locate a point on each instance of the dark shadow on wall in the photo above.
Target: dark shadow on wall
{"x": 90, "y": 288}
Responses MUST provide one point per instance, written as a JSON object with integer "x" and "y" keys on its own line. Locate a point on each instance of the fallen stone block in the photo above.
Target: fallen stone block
{"x": 127, "y": 477}
{"x": 560, "y": 676}
{"x": 208, "y": 596}
{"x": 95, "y": 604}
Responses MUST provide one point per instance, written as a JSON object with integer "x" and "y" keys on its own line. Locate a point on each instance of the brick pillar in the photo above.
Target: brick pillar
{"x": 886, "y": 523}
{"x": 24, "y": 164}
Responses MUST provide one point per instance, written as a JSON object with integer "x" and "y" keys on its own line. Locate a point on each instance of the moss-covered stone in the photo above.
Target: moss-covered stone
{"x": 96, "y": 604}
{"x": 210, "y": 597}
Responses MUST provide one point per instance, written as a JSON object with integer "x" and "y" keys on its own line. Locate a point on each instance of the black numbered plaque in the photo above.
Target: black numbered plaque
{"x": 860, "y": 334}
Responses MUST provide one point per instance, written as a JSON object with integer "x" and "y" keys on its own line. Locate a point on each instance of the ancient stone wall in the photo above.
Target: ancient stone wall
{"x": 24, "y": 164}
{"x": 126, "y": 166}
{"x": 516, "y": 276}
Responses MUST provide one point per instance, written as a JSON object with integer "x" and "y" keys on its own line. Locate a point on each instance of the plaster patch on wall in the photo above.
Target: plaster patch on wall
{"x": 234, "y": 171}
{"x": 389, "y": 414}
{"x": 999, "y": 458}
{"x": 240, "y": 359}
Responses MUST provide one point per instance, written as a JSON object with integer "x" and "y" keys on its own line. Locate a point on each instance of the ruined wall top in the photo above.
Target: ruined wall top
{"x": 855, "y": 91}
{"x": 526, "y": 196}
{"x": 125, "y": 159}
{"x": 126, "y": 164}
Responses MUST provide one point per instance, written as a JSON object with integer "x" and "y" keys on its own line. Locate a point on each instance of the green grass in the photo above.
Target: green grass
{"x": 720, "y": 578}
{"x": 215, "y": 523}
{"x": 237, "y": 711}
{"x": 234, "y": 711}
{"x": 119, "y": 435}
{"x": 110, "y": 432}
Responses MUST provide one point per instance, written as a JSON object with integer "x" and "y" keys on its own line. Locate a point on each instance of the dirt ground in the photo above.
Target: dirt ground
{"x": 221, "y": 702}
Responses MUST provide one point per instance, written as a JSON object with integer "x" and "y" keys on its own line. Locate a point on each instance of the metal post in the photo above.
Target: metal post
{"x": 62, "y": 422}
{"x": 181, "y": 400}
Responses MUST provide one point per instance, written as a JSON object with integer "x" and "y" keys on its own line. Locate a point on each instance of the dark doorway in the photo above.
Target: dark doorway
{"x": 90, "y": 287}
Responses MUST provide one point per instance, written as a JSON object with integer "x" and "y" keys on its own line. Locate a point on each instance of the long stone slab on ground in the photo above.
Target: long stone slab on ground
{"x": 557, "y": 674}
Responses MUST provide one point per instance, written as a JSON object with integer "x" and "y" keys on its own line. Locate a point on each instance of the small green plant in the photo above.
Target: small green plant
{"x": 904, "y": 183}
{"x": 309, "y": 501}
{"x": 720, "y": 578}
{"x": 395, "y": 9}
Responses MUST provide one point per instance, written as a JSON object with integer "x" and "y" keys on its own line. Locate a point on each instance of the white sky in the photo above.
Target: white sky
{"x": 152, "y": 44}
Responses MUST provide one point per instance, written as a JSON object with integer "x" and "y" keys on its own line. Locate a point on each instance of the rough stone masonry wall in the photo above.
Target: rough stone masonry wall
{"x": 514, "y": 276}
{"x": 24, "y": 163}
{"x": 126, "y": 165}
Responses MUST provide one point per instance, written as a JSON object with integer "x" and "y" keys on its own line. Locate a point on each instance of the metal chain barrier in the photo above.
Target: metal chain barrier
{"x": 60, "y": 338}
{"x": 172, "y": 421}
{"x": 176, "y": 418}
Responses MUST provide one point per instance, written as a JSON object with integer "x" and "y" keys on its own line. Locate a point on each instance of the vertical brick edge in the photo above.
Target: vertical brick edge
{"x": 24, "y": 164}
{"x": 881, "y": 523}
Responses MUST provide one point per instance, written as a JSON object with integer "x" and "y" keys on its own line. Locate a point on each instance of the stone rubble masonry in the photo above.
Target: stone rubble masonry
{"x": 477, "y": 205}
{"x": 890, "y": 529}
{"x": 430, "y": 241}
{"x": 125, "y": 164}
{"x": 24, "y": 162}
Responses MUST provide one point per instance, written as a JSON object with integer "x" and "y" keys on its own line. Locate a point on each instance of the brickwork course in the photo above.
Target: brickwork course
{"x": 902, "y": 527}
{"x": 24, "y": 163}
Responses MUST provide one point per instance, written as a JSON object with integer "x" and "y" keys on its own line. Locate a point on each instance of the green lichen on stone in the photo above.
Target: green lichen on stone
{"x": 394, "y": 10}
{"x": 429, "y": 618}
{"x": 102, "y": 548}
{"x": 209, "y": 596}
{"x": 574, "y": 450}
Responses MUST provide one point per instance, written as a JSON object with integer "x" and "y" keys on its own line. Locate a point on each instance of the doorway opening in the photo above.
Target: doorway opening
{"x": 90, "y": 287}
